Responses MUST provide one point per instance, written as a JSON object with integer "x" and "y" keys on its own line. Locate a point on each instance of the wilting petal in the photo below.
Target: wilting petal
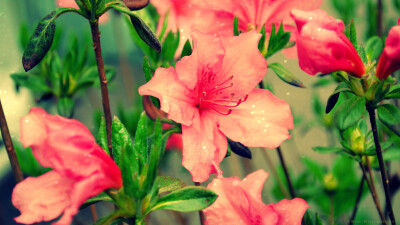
{"x": 263, "y": 120}
{"x": 175, "y": 98}
{"x": 243, "y": 61}
{"x": 390, "y": 58}
{"x": 204, "y": 147}
{"x": 42, "y": 198}
{"x": 290, "y": 212}
{"x": 322, "y": 47}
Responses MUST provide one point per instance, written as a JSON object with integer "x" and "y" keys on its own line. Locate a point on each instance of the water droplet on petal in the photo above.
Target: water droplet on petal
{"x": 253, "y": 106}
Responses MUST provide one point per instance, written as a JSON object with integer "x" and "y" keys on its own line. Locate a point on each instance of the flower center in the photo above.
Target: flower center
{"x": 217, "y": 99}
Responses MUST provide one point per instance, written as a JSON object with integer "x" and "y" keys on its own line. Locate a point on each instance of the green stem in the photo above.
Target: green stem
{"x": 103, "y": 81}
{"x": 385, "y": 180}
{"x": 358, "y": 198}
{"x": 12, "y": 156}
{"x": 201, "y": 214}
{"x": 275, "y": 174}
{"x": 285, "y": 170}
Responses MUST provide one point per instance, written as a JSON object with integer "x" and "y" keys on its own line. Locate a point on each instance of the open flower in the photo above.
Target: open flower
{"x": 211, "y": 93}
{"x": 72, "y": 4}
{"x": 323, "y": 47}
{"x": 390, "y": 58}
{"x": 81, "y": 169}
{"x": 239, "y": 202}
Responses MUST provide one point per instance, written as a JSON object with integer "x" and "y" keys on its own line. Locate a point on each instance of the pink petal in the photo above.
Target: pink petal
{"x": 253, "y": 183}
{"x": 67, "y": 3}
{"x": 243, "y": 61}
{"x": 207, "y": 56}
{"x": 263, "y": 120}
{"x": 175, "y": 98}
{"x": 390, "y": 58}
{"x": 290, "y": 212}
{"x": 204, "y": 147}
{"x": 42, "y": 198}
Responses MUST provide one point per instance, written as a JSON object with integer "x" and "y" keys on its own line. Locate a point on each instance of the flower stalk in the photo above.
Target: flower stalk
{"x": 358, "y": 198}
{"x": 385, "y": 180}
{"x": 201, "y": 213}
{"x": 103, "y": 81}
{"x": 285, "y": 170}
{"x": 12, "y": 156}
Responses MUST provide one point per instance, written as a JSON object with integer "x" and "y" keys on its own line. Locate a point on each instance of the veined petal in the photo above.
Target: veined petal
{"x": 204, "y": 147}
{"x": 263, "y": 120}
{"x": 42, "y": 198}
{"x": 290, "y": 212}
{"x": 243, "y": 61}
{"x": 175, "y": 98}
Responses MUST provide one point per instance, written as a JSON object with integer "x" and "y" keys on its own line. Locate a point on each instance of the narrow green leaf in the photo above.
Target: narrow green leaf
{"x": 40, "y": 42}
{"x": 394, "y": 92}
{"x": 350, "y": 112}
{"x": 140, "y": 144}
{"x": 34, "y": 83}
{"x": 239, "y": 149}
{"x": 187, "y": 49}
{"x": 277, "y": 41}
{"x": 65, "y": 107}
{"x": 324, "y": 150}
{"x": 156, "y": 150}
{"x": 170, "y": 45}
{"x": 342, "y": 87}
{"x": 389, "y": 114}
{"x": 261, "y": 43}
{"x": 235, "y": 26}
{"x": 353, "y": 34}
{"x": 102, "y": 136}
{"x": 167, "y": 184}
{"x": 391, "y": 155}
{"x": 374, "y": 47}
{"x": 285, "y": 75}
{"x": 317, "y": 170}
{"x": 100, "y": 197}
{"x": 143, "y": 30}
{"x": 187, "y": 199}
{"x": 148, "y": 73}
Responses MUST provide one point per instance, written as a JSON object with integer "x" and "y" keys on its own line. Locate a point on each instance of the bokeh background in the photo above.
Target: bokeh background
{"x": 18, "y": 18}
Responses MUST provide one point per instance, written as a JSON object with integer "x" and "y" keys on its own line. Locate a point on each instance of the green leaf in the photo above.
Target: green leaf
{"x": 350, "y": 112}
{"x": 65, "y": 107}
{"x": 100, "y": 197}
{"x": 170, "y": 45}
{"x": 261, "y": 43}
{"x": 29, "y": 165}
{"x": 187, "y": 199}
{"x": 394, "y": 92}
{"x": 34, "y": 83}
{"x": 374, "y": 47}
{"x": 40, "y": 42}
{"x": 167, "y": 184}
{"x": 142, "y": 29}
{"x": 362, "y": 54}
{"x": 317, "y": 170}
{"x": 140, "y": 144}
{"x": 342, "y": 87}
{"x": 148, "y": 73}
{"x": 187, "y": 49}
{"x": 391, "y": 155}
{"x": 121, "y": 140}
{"x": 322, "y": 82}
{"x": 353, "y": 34}
{"x": 390, "y": 116}
{"x": 324, "y": 150}
{"x": 277, "y": 41}
{"x": 102, "y": 136}
{"x": 235, "y": 26}
{"x": 239, "y": 149}
{"x": 285, "y": 75}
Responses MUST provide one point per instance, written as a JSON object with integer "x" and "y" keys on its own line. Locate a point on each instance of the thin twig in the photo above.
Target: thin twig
{"x": 385, "y": 180}
{"x": 12, "y": 156}
{"x": 331, "y": 209}
{"x": 103, "y": 81}
{"x": 201, "y": 214}
{"x": 285, "y": 170}
{"x": 275, "y": 174}
{"x": 93, "y": 212}
{"x": 374, "y": 195}
{"x": 358, "y": 198}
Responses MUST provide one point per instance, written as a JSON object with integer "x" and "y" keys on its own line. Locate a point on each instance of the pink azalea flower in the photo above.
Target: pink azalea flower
{"x": 81, "y": 169}
{"x": 323, "y": 47}
{"x": 211, "y": 93}
{"x": 390, "y": 58}
{"x": 72, "y": 4}
{"x": 239, "y": 202}
{"x": 174, "y": 141}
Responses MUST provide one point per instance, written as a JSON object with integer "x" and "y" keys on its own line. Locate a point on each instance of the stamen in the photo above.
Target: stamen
{"x": 245, "y": 97}
{"x": 218, "y": 88}
{"x": 225, "y": 114}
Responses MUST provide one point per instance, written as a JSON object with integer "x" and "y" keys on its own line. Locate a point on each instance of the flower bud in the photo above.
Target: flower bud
{"x": 136, "y": 4}
{"x": 330, "y": 182}
{"x": 357, "y": 141}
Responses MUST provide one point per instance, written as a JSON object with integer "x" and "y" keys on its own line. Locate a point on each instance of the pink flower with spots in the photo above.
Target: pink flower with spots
{"x": 323, "y": 47}
{"x": 72, "y": 4}
{"x": 212, "y": 94}
{"x": 389, "y": 61}
{"x": 239, "y": 202}
{"x": 81, "y": 169}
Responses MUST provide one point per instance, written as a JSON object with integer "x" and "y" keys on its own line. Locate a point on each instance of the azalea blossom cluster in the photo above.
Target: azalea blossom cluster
{"x": 212, "y": 93}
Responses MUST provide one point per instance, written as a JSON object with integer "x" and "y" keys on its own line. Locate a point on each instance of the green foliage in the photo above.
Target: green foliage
{"x": 261, "y": 43}
{"x": 235, "y": 26}
{"x": 394, "y": 92}
{"x": 374, "y": 48}
{"x": 277, "y": 41}
{"x": 40, "y": 42}
{"x": 285, "y": 75}
{"x": 167, "y": 184}
{"x": 350, "y": 112}
{"x": 29, "y": 165}
{"x": 186, "y": 199}
{"x": 239, "y": 149}
{"x": 345, "y": 8}
{"x": 187, "y": 49}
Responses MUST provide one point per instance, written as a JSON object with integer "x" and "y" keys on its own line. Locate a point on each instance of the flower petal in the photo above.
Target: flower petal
{"x": 42, "y": 198}
{"x": 263, "y": 120}
{"x": 204, "y": 147}
{"x": 244, "y": 61}
{"x": 253, "y": 183}
{"x": 290, "y": 212}
{"x": 175, "y": 98}
{"x": 390, "y": 58}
